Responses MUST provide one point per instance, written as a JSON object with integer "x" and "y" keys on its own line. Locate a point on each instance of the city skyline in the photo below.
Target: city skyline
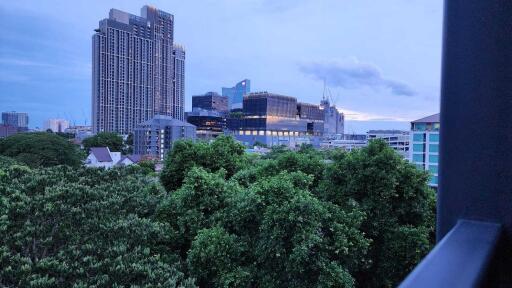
{"x": 369, "y": 64}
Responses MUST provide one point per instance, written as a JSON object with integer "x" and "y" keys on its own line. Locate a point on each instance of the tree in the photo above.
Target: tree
{"x": 399, "y": 204}
{"x": 112, "y": 140}
{"x": 64, "y": 227}
{"x": 40, "y": 150}
{"x": 222, "y": 153}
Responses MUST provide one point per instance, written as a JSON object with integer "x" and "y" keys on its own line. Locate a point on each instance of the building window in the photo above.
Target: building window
{"x": 432, "y": 169}
{"x": 433, "y": 137}
{"x": 433, "y": 148}
{"x": 418, "y": 148}
{"x": 418, "y": 158}
{"x": 418, "y": 137}
{"x": 420, "y": 167}
{"x": 434, "y": 180}
{"x": 433, "y": 159}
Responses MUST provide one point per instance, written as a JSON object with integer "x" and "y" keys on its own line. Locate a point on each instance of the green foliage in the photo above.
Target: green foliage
{"x": 40, "y": 150}
{"x": 399, "y": 205}
{"x": 222, "y": 153}
{"x": 113, "y": 141}
{"x": 147, "y": 164}
{"x": 64, "y": 227}
{"x": 224, "y": 219}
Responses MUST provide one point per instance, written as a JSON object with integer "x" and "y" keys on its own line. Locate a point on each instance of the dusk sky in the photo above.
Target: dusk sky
{"x": 381, "y": 59}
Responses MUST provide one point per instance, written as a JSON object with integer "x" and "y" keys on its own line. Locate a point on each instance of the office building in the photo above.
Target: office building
{"x": 137, "y": 71}
{"x": 56, "y": 125}
{"x": 178, "y": 99}
{"x": 334, "y": 120}
{"x": 209, "y": 123}
{"x": 236, "y": 94}
{"x": 210, "y": 101}
{"x": 396, "y": 139}
{"x": 274, "y": 119}
{"x": 424, "y": 139}
{"x": 156, "y": 136}
{"x": 347, "y": 142}
{"x": 19, "y": 120}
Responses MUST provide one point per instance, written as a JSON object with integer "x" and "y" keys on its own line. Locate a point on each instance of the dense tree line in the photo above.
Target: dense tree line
{"x": 217, "y": 217}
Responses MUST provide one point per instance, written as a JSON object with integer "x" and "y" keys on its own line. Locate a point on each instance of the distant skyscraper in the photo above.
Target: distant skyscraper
{"x": 133, "y": 70}
{"x": 334, "y": 120}
{"x": 236, "y": 94}
{"x": 56, "y": 125}
{"x": 15, "y": 119}
{"x": 178, "y": 101}
{"x": 210, "y": 101}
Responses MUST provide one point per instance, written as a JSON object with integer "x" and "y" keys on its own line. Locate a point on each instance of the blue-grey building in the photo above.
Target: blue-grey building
{"x": 236, "y": 94}
{"x": 155, "y": 137}
{"x": 136, "y": 70}
{"x": 425, "y": 145}
{"x": 18, "y": 120}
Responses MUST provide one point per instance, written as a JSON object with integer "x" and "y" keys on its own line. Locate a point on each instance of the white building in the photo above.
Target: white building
{"x": 56, "y": 125}
{"x": 347, "y": 142}
{"x": 102, "y": 157}
{"x": 396, "y": 139}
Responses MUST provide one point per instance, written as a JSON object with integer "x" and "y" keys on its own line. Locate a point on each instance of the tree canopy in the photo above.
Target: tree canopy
{"x": 40, "y": 149}
{"x": 112, "y": 140}
{"x": 217, "y": 217}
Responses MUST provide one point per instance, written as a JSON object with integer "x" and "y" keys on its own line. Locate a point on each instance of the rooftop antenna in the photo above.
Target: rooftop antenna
{"x": 325, "y": 87}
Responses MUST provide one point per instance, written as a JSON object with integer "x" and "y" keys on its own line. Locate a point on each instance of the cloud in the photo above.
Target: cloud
{"x": 354, "y": 75}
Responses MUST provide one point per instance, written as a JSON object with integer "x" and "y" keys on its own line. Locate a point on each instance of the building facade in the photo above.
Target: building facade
{"x": 209, "y": 123}
{"x": 334, "y": 120}
{"x": 178, "y": 99}
{"x": 19, "y": 120}
{"x": 273, "y": 119}
{"x": 133, "y": 75}
{"x": 396, "y": 139}
{"x": 236, "y": 94}
{"x": 347, "y": 142}
{"x": 424, "y": 139}
{"x": 156, "y": 136}
{"x": 210, "y": 101}
{"x": 56, "y": 125}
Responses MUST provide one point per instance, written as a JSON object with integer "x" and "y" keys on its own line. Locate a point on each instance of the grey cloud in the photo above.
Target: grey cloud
{"x": 354, "y": 75}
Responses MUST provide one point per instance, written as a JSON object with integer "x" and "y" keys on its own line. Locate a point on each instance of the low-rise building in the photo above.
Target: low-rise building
{"x": 424, "y": 139}
{"x": 396, "y": 139}
{"x": 102, "y": 157}
{"x": 156, "y": 136}
{"x": 7, "y": 130}
{"x": 347, "y": 142}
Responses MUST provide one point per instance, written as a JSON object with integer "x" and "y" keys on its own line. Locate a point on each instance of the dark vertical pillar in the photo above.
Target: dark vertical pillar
{"x": 476, "y": 114}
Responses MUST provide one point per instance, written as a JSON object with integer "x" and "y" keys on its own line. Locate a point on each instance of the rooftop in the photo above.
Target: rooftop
{"x": 429, "y": 119}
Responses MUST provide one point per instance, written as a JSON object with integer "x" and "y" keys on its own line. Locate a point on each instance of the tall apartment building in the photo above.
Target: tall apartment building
{"x": 134, "y": 73}
{"x": 178, "y": 99}
{"x": 334, "y": 120}
{"x": 236, "y": 94}
{"x": 19, "y": 120}
{"x": 396, "y": 139}
{"x": 210, "y": 101}
{"x": 424, "y": 140}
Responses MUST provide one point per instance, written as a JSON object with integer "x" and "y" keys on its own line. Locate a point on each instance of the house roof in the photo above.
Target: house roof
{"x": 429, "y": 119}
{"x": 102, "y": 154}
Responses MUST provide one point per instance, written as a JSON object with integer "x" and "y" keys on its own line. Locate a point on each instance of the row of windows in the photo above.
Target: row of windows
{"x": 421, "y": 137}
{"x": 433, "y": 148}
{"x": 421, "y": 158}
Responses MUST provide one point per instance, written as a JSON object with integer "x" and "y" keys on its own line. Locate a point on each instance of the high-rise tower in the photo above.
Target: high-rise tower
{"x": 133, "y": 70}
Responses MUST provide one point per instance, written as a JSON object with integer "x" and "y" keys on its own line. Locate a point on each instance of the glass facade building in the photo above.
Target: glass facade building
{"x": 424, "y": 139}
{"x": 236, "y": 94}
{"x": 274, "y": 119}
{"x": 210, "y": 101}
{"x": 137, "y": 71}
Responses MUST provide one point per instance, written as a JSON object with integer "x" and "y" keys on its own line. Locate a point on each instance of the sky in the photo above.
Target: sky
{"x": 379, "y": 59}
